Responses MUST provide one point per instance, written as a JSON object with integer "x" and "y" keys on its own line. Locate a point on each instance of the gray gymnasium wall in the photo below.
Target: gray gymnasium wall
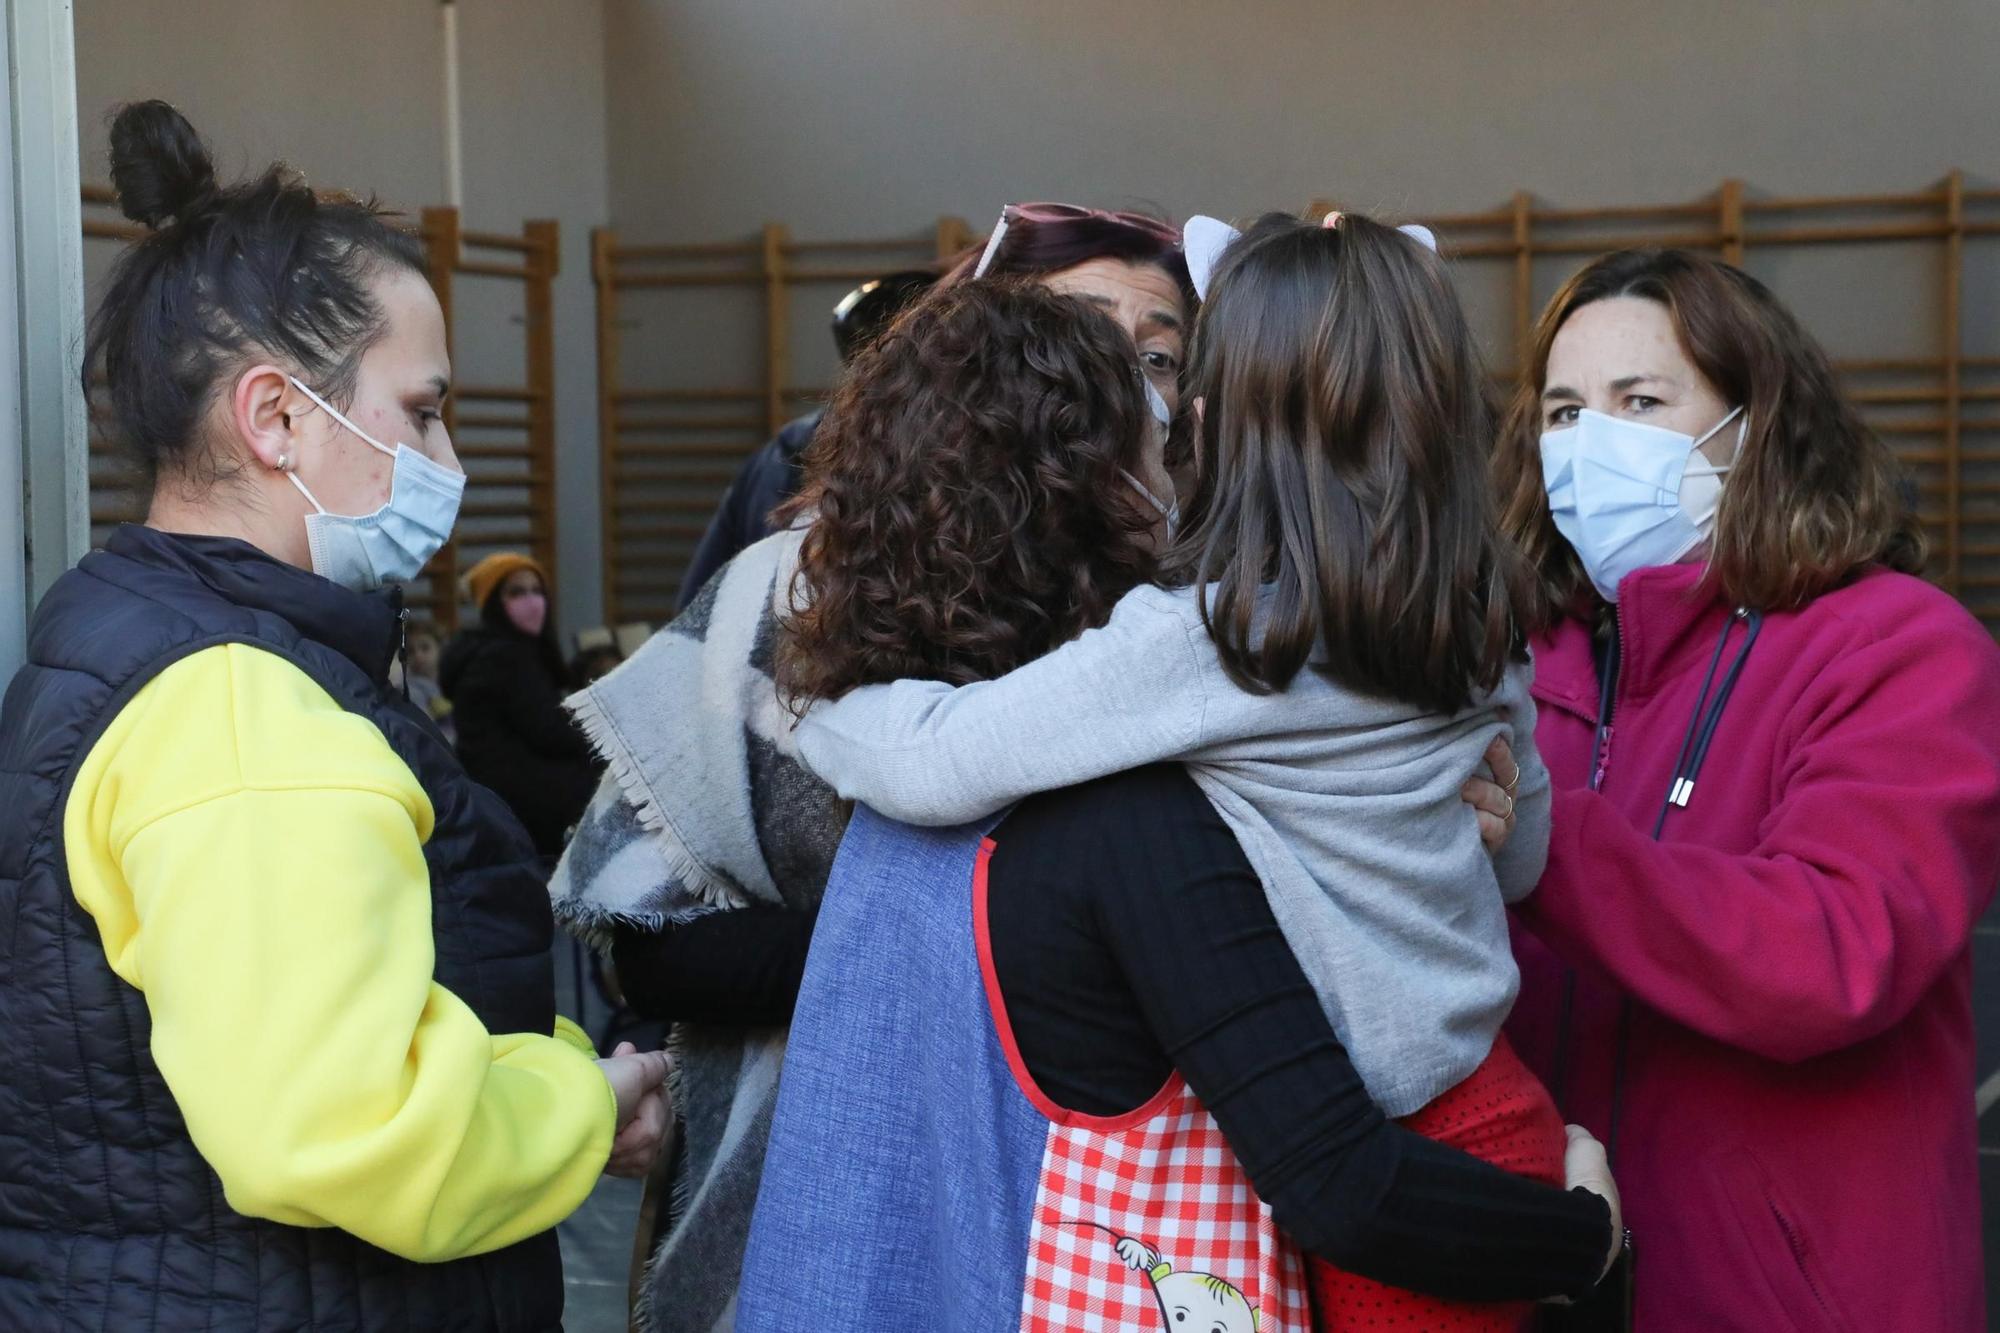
{"x": 702, "y": 119}
{"x": 866, "y": 117}
{"x": 351, "y": 92}
{"x": 862, "y": 113}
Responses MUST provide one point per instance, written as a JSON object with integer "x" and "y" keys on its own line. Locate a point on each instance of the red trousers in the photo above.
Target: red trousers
{"x": 1502, "y": 1114}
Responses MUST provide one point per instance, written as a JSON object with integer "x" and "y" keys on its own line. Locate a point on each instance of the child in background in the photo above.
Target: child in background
{"x": 1340, "y": 653}
{"x": 423, "y": 646}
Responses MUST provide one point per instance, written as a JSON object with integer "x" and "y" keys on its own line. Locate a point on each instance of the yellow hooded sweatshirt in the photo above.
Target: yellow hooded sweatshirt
{"x": 253, "y": 856}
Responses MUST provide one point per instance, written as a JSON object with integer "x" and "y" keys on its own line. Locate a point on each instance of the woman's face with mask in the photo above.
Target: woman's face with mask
{"x": 1146, "y": 302}
{"x": 525, "y": 601}
{"x": 1621, "y": 357}
{"x": 399, "y": 393}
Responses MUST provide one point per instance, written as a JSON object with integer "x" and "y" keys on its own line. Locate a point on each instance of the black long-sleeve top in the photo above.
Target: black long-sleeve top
{"x": 1131, "y": 937}
{"x": 738, "y": 968}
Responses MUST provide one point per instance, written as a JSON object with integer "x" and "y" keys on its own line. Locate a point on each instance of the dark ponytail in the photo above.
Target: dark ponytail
{"x": 261, "y": 268}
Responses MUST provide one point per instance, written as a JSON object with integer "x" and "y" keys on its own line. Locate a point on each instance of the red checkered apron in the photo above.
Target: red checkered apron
{"x": 1148, "y": 1216}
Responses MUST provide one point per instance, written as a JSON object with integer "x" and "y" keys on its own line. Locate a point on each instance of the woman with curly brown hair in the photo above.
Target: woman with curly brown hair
{"x": 956, "y": 495}
{"x": 702, "y": 858}
{"x": 1098, "y": 972}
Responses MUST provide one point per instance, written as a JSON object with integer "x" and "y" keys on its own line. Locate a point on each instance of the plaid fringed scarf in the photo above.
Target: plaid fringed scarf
{"x": 705, "y": 807}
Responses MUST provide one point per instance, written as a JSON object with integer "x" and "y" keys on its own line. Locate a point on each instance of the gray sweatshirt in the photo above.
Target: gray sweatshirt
{"x": 1347, "y": 807}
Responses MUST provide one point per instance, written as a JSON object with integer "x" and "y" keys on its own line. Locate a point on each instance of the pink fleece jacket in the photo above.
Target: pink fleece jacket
{"x": 1789, "y": 963}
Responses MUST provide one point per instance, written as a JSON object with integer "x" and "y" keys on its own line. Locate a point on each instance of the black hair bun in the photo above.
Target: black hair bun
{"x": 159, "y": 165}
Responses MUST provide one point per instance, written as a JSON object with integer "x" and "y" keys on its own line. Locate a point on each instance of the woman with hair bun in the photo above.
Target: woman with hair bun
{"x": 281, "y": 1048}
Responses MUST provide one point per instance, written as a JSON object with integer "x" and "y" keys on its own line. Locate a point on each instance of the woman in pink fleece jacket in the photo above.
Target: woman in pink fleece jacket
{"x": 1776, "y": 756}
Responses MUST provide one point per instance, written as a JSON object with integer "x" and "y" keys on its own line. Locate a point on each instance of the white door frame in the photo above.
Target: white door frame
{"x": 44, "y": 441}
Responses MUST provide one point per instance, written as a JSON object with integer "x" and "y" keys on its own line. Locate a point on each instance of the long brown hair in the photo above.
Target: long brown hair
{"x": 1813, "y": 498}
{"x": 961, "y": 487}
{"x": 1343, "y": 513}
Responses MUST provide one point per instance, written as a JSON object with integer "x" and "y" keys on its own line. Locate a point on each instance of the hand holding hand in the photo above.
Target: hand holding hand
{"x": 638, "y": 1145}
{"x": 632, "y": 1075}
{"x": 638, "y": 1080}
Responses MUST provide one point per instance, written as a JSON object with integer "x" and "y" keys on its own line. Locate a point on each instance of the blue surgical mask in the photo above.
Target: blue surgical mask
{"x": 393, "y": 544}
{"x": 1628, "y": 496}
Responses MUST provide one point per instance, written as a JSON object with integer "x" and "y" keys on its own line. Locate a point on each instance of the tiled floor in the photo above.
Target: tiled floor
{"x": 597, "y": 1253}
{"x": 597, "y": 1242}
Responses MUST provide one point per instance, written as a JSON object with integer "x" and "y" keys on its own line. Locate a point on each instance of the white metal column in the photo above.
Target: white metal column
{"x": 13, "y": 460}
{"x": 44, "y": 448}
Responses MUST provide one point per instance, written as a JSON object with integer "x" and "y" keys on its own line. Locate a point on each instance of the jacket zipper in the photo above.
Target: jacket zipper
{"x": 1601, "y": 761}
{"x": 1600, "y": 765}
{"x": 1623, "y": 1033}
{"x": 1609, "y": 721}
{"x": 403, "y": 645}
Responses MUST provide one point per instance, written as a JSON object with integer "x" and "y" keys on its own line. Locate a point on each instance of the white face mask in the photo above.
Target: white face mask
{"x": 393, "y": 544}
{"x": 1162, "y": 421}
{"x": 1628, "y": 496}
{"x": 1170, "y": 512}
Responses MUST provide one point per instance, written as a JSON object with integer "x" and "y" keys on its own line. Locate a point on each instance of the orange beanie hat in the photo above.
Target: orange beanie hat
{"x": 490, "y": 573}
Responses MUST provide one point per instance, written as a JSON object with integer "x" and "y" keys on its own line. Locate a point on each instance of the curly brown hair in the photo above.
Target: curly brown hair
{"x": 1814, "y": 497}
{"x": 965, "y": 490}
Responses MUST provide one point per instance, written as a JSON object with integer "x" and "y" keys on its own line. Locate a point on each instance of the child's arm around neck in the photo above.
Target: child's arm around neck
{"x": 1132, "y": 692}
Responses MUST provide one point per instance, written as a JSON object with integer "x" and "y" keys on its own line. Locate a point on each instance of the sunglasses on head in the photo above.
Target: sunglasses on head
{"x": 1164, "y": 232}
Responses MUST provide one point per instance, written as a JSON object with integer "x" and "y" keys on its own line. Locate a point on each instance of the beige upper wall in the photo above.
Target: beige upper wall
{"x": 698, "y": 119}
{"x": 351, "y": 92}
{"x": 854, "y": 116}
{"x": 268, "y": 79}
{"x": 873, "y": 117}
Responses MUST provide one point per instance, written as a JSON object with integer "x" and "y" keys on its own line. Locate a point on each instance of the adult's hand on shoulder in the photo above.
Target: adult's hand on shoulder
{"x": 1492, "y": 799}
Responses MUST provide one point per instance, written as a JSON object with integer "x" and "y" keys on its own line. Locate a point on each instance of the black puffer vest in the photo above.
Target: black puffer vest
{"x": 109, "y": 1218}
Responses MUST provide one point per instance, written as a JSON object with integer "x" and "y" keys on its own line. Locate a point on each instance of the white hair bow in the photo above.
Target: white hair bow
{"x": 1204, "y": 239}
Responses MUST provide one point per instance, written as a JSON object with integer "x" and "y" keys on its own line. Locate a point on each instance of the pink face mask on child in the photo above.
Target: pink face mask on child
{"x": 529, "y": 612}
